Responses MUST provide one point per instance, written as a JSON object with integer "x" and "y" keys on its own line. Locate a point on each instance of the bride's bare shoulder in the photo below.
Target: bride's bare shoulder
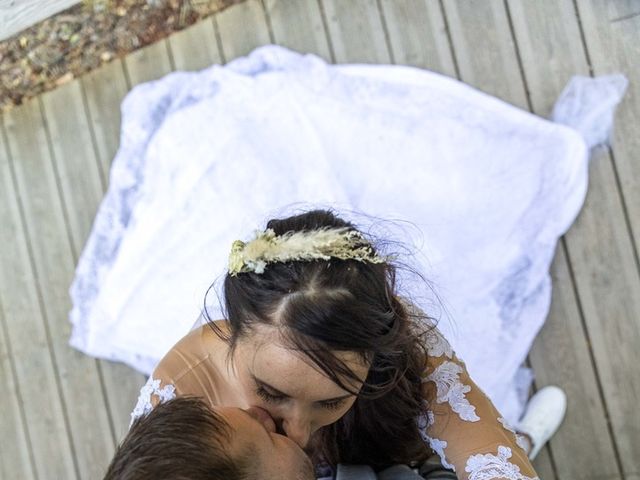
{"x": 202, "y": 339}
{"x": 194, "y": 348}
{"x": 209, "y": 334}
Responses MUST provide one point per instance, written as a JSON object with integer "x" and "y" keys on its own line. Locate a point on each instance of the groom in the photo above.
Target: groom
{"x": 185, "y": 438}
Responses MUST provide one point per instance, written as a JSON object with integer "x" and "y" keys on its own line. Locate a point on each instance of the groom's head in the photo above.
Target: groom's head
{"x": 186, "y": 439}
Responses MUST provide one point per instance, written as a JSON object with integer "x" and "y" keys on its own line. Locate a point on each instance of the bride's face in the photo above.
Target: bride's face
{"x": 282, "y": 381}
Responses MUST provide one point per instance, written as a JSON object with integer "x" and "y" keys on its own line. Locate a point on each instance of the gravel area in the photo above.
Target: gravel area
{"x": 86, "y": 36}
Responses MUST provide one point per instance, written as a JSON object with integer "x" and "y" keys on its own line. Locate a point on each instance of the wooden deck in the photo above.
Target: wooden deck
{"x": 62, "y": 413}
{"x": 16, "y": 16}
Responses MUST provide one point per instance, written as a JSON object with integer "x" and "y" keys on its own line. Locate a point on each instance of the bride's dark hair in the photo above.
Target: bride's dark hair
{"x": 343, "y": 305}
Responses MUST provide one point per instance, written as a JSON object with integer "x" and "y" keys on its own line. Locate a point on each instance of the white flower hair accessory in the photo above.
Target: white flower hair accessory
{"x": 323, "y": 243}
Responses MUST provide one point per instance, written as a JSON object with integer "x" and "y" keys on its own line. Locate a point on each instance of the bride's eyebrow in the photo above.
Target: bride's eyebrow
{"x": 282, "y": 394}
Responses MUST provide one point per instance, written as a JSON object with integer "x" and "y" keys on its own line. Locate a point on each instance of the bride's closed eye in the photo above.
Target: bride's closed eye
{"x": 332, "y": 404}
{"x": 267, "y": 396}
{"x": 276, "y": 397}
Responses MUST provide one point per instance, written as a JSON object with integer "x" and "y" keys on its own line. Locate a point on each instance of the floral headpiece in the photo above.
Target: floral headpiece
{"x": 324, "y": 243}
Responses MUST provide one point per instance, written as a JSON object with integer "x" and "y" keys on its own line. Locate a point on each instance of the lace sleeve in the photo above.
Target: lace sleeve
{"x": 151, "y": 394}
{"x": 462, "y": 425}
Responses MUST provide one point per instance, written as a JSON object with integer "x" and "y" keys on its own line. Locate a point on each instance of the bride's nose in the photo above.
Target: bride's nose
{"x": 298, "y": 429}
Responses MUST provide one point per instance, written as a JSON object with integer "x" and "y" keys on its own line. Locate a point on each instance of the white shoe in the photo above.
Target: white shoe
{"x": 543, "y": 416}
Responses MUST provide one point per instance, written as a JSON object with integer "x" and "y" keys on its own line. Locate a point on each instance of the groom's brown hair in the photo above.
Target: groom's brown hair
{"x": 181, "y": 439}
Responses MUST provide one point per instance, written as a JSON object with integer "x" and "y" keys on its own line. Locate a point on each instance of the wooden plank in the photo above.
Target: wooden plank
{"x": 299, "y": 26}
{"x": 484, "y": 48}
{"x": 236, "y": 39}
{"x": 22, "y": 285}
{"x": 122, "y": 385}
{"x": 15, "y": 453}
{"x": 548, "y": 38}
{"x": 74, "y": 158}
{"x": 544, "y": 466}
{"x": 417, "y": 35}
{"x": 80, "y": 190}
{"x": 612, "y": 35}
{"x": 104, "y": 89}
{"x": 195, "y": 47}
{"x": 602, "y": 259}
{"x": 583, "y": 447}
{"x": 49, "y": 240}
{"x": 148, "y": 63}
{"x": 356, "y": 31}
{"x": 16, "y": 16}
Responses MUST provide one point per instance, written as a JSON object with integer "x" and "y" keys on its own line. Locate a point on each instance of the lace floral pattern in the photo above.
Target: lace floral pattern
{"x": 450, "y": 389}
{"x": 425, "y": 421}
{"x": 438, "y": 446}
{"x": 488, "y": 466}
{"x": 152, "y": 387}
{"x": 437, "y": 345}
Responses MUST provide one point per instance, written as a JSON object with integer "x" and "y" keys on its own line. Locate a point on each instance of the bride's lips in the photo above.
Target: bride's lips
{"x": 263, "y": 417}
